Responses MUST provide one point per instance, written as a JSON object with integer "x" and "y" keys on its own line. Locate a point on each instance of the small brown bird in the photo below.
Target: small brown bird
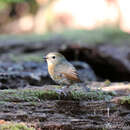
{"x": 60, "y": 70}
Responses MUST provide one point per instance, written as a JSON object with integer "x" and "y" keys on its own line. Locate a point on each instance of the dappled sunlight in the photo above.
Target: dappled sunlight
{"x": 118, "y": 87}
{"x": 88, "y": 14}
{"x": 124, "y": 12}
{"x": 26, "y": 23}
{"x": 43, "y": 15}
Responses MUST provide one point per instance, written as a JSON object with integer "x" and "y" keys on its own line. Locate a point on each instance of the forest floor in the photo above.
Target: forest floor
{"x": 28, "y": 97}
{"x": 105, "y": 106}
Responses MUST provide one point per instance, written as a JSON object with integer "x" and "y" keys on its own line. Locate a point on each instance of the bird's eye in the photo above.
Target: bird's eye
{"x": 53, "y": 57}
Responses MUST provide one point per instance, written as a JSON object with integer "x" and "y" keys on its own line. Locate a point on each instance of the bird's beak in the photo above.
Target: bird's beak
{"x": 45, "y": 58}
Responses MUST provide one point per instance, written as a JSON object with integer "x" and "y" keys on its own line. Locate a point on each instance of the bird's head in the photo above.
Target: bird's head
{"x": 54, "y": 58}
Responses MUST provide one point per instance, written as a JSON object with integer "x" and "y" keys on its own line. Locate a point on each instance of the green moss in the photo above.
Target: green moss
{"x": 37, "y": 94}
{"x": 107, "y": 82}
{"x": 97, "y": 95}
{"x": 27, "y": 95}
{"x": 125, "y": 100}
{"x": 14, "y": 126}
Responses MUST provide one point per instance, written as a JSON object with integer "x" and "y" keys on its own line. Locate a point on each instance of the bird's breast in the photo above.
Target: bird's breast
{"x": 54, "y": 75}
{"x": 51, "y": 69}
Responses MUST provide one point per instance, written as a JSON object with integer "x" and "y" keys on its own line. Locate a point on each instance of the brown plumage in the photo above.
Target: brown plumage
{"x": 60, "y": 70}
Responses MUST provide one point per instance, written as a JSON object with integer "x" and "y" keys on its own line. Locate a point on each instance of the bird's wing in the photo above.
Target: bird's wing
{"x": 68, "y": 71}
{"x": 72, "y": 77}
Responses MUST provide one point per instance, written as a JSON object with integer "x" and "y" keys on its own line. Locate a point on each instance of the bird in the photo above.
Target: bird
{"x": 61, "y": 70}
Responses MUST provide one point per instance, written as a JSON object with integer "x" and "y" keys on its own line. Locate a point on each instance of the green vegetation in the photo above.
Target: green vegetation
{"x": 100, "y": 35}
{"x": 92, "y": 95}
{"x": 107, "y": 82}
{"x": 27, "y": 57}
{"x": 125, "y": 100}
{"x": 14, "y": 126}
{"x": 30, "y": 95}
{"x": 26, "y": 95}
{"x": 15, "y": 1}
{"x": 24, "y": 38}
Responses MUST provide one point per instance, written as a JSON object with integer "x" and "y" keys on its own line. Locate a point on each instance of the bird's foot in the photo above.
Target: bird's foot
{"x": 63, "y": 91}
{"x": 60, "y": 92}
{"x": 87, "y": 89}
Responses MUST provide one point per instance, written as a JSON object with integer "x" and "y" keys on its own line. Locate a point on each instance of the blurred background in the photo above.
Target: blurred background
{"x": 93, "y": 32}
{"x": 40, "y": 16}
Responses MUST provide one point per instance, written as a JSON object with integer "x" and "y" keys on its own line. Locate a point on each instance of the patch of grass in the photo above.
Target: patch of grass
{"x": 125, "y": 100}
{"x": 15, "y": 126}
